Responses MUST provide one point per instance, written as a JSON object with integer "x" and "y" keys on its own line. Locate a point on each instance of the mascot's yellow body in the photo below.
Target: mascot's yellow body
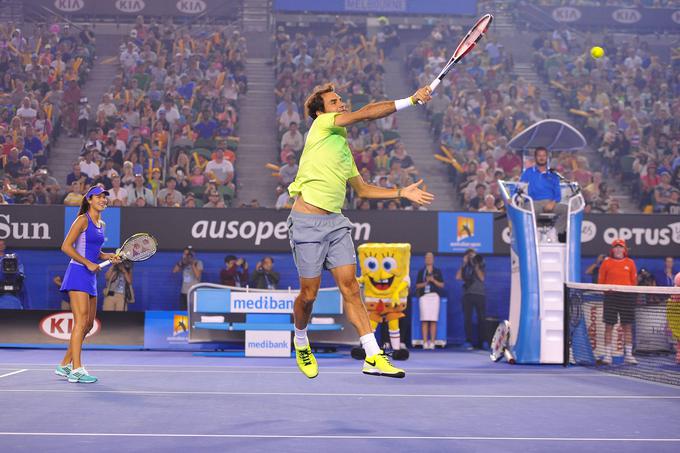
{"x": 385, "y": 279}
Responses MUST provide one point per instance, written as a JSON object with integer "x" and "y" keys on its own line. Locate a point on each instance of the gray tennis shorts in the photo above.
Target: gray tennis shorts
{"x": 320, "y": 241}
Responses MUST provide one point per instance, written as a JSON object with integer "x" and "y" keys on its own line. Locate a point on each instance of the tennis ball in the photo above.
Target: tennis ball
{"x": 597, "y": 52}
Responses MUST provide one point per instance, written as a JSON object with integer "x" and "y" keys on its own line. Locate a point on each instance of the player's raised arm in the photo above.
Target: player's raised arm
{"x": 381, "y": 109}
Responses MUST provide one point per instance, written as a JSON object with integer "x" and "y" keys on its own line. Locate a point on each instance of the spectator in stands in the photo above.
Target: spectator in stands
{"x": 220, "y": 168}
{"x": 489, "y": 204}
{"x": 235, "y": 272}
{"x": 294, "y": 138}
{"x": 289, "y": 116}
{"x": 662, "y": 193}
{"x": 88, "y": 166}
{"x": 665, "y": 276}
{"x": 265, "y": 277}
{"x": 473, "y": 274}
{"x": 170, "y": 194}
{"x": 116, "y": 192}
{"x": 26, "y": 112}
{"x": 75, "y": 195}
{"x": 288, "y": 172}
{"x": 429, "y": 289}
{"x": 139, "y": 191}
{"x": 478, "y": 200}
{"x": 192, "y": 270}
{"x": 215, "y": 200}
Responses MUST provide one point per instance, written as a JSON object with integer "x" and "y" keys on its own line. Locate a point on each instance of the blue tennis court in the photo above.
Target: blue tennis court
{"x": 449, "y": 401}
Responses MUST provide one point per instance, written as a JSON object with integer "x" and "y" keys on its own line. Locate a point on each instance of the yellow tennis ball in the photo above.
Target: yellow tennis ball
{"x": 597, "y": 52}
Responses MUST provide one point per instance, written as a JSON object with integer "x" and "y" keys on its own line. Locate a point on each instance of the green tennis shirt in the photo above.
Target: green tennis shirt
{"x": 325, "y": 166}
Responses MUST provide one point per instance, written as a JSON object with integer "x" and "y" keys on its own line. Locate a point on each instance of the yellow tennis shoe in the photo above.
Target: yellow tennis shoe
{"x": 306, "y": 361}
{"x": 380, "y": 365}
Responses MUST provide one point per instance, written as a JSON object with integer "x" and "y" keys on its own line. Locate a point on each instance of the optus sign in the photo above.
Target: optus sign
{"x": 60, "y": 325}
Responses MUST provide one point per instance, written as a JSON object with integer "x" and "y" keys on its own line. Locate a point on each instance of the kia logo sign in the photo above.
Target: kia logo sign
{"x": 69, "y": 5}
{"x": 130, "y": 6}
{"x": 566, "y": 14}
{"x": 191, "y": 6}
{"x": 627, "y": 16}
{"x": 676, "y": 16}
{"x": 60, "y": 326}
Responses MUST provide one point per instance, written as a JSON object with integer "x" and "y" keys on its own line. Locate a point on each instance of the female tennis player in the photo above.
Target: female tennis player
{"x": 83, "y": 244}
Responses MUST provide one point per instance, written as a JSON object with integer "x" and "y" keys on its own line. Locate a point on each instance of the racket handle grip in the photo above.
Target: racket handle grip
{"x": 435, "y": 83}
{"x": 508, "y": 356}
{"x": 104, "y": 264}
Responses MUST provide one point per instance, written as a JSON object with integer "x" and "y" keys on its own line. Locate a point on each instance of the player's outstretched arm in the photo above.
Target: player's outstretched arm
{"x": 382, "y": 109}
{"x": 412, "y": 193}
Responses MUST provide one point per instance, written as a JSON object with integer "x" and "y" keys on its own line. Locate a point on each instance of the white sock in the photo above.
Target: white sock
{"x": 395, "y": 339}
{"x": 369, "y": 344}
{"x": 608, "y": 350}
{"x": 628, "y": 350}
{"x": 301, "y": 337}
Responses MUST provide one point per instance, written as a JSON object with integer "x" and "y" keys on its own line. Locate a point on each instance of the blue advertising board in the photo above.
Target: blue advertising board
{"x": 459, "y": 7}
{"x": 459, "y": 231}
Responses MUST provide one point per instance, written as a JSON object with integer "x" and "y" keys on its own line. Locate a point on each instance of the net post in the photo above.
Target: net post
{"x": 565, "y": 328}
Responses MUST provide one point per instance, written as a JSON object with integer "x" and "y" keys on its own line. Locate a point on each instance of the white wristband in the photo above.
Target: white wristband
{"x": 401, "y": 104}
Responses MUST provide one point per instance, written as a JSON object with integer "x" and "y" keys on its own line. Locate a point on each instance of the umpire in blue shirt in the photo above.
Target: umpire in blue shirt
{"x": 544, "y": 189}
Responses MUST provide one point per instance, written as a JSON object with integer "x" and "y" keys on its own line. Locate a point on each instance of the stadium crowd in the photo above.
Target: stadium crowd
{"x": 165, "y": 133}
{"x": 624, "y": 103}
{"x": 304, "y": 60}
{"x": 41, "y": 67}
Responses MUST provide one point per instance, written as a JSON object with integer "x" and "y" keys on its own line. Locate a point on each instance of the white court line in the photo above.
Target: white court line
{"x": 355, "y": 372}
{"x": 344, "y": 395}
{"x": 10, "y": 374}
{"x": 348, "y": 437}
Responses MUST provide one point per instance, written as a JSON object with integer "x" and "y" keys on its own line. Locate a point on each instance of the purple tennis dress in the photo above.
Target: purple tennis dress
{"x": 88, "y": 244}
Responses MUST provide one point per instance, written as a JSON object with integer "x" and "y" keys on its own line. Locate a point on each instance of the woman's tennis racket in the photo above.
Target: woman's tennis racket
{"x": 499, "y": 343}
{"x": 466, "y": 45}
{"x": 138, "y": 247}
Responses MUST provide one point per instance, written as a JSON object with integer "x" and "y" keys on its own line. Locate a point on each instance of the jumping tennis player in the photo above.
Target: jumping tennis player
{"x": 83, "y": 244}
{"x": 319, "y": 233}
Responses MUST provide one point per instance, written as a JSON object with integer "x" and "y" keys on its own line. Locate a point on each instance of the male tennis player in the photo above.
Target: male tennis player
{"x": 319, "y": 233}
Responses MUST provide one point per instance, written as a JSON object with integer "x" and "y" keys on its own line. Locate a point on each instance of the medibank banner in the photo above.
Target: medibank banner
{"x": 610, "y": 17}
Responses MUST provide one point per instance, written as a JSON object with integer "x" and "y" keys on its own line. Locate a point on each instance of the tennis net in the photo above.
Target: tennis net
{"x": 626, "y": 330}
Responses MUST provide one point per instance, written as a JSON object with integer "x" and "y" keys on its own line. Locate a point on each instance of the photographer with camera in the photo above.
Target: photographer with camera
{"x": 473, "y": 273}
{"x": 235, "y": 272}
{"x": 12, "y": 292}
{"x": 118, "y": 292}
{"x": 265, "y": 277}
{"x": 191, "y": 269}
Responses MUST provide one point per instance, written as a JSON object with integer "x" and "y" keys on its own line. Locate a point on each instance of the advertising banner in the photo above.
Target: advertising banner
{"x": 462, "y": 7}
{"x": 610, "y": 17}
{"x": 265, "y": 229}
{"x": 459, "y": 231}
{"x": 646, "y": 235}
{"x": 42, "y": 327}
{"x": 214, "y": 8}
{"x": 30, "y": 227}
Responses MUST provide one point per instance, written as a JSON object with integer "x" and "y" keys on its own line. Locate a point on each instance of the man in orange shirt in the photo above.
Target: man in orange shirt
{"x": 618, "y": 269}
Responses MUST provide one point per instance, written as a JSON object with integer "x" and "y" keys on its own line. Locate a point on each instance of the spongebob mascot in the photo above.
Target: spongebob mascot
{"x": 385, "y": 280}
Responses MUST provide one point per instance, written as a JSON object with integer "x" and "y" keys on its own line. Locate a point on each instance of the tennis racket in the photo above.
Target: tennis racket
{"x": 466, "y": 45}
{"x": 499, "y": 343}
{"x": 138, "y": 247}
